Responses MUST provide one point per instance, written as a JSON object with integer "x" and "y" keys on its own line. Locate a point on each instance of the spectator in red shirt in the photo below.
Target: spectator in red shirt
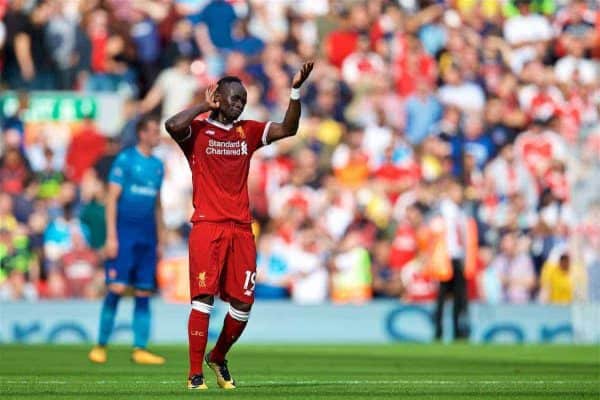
{"x": 78, "y": 266}
{"x": 342, "y": 42}
{"x": 14, "y": 172}
{"x": 85, "y": 149}
{"x": 393, "y": 178}
{"x": 538, "y": 146}
{"x": 405, "y": 246}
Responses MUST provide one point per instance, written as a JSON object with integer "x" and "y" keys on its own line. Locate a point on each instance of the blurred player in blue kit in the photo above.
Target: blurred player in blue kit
{"x": 133, "y": 226}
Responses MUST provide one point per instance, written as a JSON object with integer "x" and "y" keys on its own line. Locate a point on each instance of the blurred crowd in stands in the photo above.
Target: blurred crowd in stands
{"x": 431, "y": 130}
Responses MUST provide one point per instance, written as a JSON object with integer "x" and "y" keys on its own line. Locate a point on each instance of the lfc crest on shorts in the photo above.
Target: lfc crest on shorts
{"x": 202, "y": 279}
{"x": 241, "y": 132}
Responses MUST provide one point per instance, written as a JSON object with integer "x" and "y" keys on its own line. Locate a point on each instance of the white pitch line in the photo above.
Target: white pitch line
{"x": 309, "y": 382}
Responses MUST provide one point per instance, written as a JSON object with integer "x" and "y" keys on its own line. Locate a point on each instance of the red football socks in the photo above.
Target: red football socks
{"x": 197, "y": 336}
{"x": 232, "y": 330}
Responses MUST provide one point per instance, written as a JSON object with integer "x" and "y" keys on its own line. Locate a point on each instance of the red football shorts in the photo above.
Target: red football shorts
{"x": 222, "y": 261}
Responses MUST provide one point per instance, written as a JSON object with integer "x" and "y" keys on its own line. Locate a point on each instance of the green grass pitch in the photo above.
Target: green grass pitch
{"x": 403, "y": 371}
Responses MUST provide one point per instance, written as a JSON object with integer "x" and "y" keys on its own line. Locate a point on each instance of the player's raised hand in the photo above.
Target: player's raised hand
{"x": 301, "y": 75}
{"x": 210, "y": 97}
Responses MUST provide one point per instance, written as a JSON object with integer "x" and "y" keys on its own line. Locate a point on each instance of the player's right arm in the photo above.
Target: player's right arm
{"x": 117, "y": 178}
{"x": 178, "y": 125}
{"x": 112, "y": 242}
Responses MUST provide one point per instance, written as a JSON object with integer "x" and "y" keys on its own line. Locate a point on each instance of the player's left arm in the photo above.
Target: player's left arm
{"x": 161, "y": 228}
{"x": 291, "y": 120}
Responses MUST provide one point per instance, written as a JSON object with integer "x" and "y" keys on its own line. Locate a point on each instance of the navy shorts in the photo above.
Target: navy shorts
{"x": 135, "y": 264}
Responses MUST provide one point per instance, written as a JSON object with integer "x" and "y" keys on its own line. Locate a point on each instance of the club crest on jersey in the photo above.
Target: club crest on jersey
{"x": 241, "y": 132}
{"x": 202, "y": 280}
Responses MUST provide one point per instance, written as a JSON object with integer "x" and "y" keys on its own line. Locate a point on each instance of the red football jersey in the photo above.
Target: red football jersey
{"x": 219, "y": 157}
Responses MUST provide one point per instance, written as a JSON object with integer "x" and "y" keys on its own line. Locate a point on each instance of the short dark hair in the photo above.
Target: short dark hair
{"x": 227, "y": 80}
{"x": 144, "y": 121}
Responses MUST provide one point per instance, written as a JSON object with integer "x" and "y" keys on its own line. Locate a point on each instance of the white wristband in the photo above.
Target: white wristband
{"x": 295, "y": 94}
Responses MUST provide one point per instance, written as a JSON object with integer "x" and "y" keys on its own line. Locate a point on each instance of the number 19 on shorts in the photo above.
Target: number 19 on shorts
{"x": 250, "y": 281}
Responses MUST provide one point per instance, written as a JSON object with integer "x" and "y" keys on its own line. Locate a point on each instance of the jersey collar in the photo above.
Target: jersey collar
{"x": 218, "y": 124}
{"x": 137, "y": 149}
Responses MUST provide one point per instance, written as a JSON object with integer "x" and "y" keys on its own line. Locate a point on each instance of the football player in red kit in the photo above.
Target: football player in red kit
{"x": 222, "y": 248}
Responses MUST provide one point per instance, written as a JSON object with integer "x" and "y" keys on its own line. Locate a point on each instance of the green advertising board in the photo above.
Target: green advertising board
{"x": 51, "y": 106}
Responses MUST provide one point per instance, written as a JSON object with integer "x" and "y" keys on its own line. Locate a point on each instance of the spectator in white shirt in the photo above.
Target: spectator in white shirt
{"x": 310, "y": 278}
{"x": 363, "y": 65}
{"x": 174, "y": 88}
{"x": 574, "y": 67}
{"x": 526, "y": 28}
{"x": 509, "y": 176}
{"x": 467, "y": 96}
{"x": 515, "y": 269}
